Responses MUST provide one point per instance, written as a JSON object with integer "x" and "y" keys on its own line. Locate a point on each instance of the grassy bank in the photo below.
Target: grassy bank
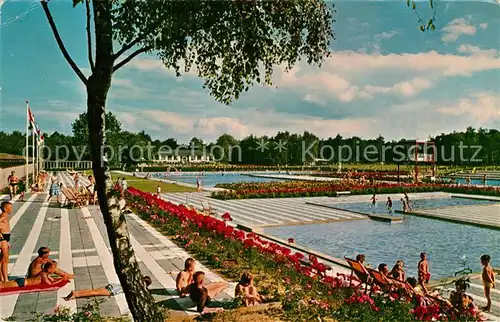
{"x": 150, "y": 185}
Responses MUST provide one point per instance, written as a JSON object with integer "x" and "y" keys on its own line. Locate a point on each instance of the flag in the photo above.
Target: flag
{"x": 31, "y": 119}
{"x": 37, "y": 130}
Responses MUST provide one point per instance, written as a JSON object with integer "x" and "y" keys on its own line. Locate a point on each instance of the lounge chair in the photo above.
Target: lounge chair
{"x": 207, "y": 208}
{"x": 360, "y": 271}
{"x": 71, "y": 197}
{"x": 388, "y": 284}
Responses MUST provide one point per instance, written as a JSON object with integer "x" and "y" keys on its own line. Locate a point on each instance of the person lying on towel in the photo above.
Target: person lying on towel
{"x": 38, "y": 263}
{"x": 41, "y": 278}
{"x": 108, "y": 290}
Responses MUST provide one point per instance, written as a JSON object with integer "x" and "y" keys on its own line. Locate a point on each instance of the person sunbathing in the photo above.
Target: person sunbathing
{"x": 185, "y": 277}
{"x": 202, "y": 295}
{"x": 41, "y": 278}
{"x": 247, "y": 291}
{"x": 398, "y": 271}
{"x": 108, "y": 290}
{"x": 38, "y": 263}
{"x": 384, "y": 269}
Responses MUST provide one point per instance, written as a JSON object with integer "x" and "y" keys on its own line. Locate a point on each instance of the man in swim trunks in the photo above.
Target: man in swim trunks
{"x": 38, "y": 263}
{"x": 185, "y": 277}
{"x": 41, "y": 278}
{"x": 388, "y": 204}
{"x": 13, "y": 182}
{"x": 6, "y": 210}
{"x": 108, "y": 290}
{"x": 202, "y": 295}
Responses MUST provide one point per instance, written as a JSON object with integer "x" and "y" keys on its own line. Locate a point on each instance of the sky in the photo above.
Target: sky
{"x": 384, "y": 77}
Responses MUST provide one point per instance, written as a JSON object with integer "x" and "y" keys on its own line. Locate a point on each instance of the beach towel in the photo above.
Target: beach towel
{"x": 33, "y": 288}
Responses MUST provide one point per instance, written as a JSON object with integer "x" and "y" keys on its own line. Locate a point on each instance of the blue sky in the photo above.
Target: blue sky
{"x": 384, "y": 77}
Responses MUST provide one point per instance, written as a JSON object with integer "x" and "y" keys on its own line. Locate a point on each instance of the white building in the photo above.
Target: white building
{"x": 184, "y": 156}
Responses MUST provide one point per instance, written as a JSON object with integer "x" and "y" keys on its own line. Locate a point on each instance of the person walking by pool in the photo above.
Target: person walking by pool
{"x": 124, "y": 185}
{"x": 484, "y": 180}
{"x": 488, "y": 278}
{"x": 13, "y": 181}
{"x": 6, "y": 210}
{"x": 467, "y": 180}
{"x": 398, "y": 271}
{"x": 373, "y": 200}
{"x": 55, "y": 189}
{"x": 407, "y": 199}
{"x": 404, "y": 205}
{"x": 423, "y": 271}
{"x": 198, "y": 184}
{"x": 388, "y": 204}
{"x": 76, "y": 179}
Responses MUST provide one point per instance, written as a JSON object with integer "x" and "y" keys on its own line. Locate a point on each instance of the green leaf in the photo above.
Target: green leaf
{"x": 76, "y": 2}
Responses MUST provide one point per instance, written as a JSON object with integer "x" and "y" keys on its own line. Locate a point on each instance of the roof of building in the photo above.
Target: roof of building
{"x": 184, "y": 153}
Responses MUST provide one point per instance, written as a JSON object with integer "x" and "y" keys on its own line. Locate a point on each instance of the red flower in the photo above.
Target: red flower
{"x": 227, "y": 217}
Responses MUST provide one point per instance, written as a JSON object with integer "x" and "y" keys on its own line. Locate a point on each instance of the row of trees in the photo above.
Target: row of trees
{"x": 480, "y": 146}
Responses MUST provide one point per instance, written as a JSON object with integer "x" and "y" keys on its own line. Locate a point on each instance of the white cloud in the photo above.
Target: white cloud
{"x": 480, "y": 107}
{"x": 475, "y": 50}
{"x": 458, "y": 27}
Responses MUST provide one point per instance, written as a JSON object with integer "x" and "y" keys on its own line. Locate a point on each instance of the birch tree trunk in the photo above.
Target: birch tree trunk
{"x": 139, "y": 300}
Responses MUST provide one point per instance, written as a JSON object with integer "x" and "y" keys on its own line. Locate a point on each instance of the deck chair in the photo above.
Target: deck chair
{"x": 360, "y": 271}
{"x": 207, "y": 208}
{"x": 71, "y": 199}
{"x": 388, "y": 284}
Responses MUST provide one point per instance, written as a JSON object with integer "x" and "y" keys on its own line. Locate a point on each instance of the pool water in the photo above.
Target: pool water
{"x": 489, "y": 182}
{"x": 445, "y": 243}
{"x": 380, "y": 208}
{"x": 211, "y": 179}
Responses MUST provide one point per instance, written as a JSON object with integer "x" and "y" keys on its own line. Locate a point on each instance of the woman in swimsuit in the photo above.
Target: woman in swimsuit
{"x": 6, "y": 210}
{"x": 13, "y": 182}
{"x": 42, "y": 277}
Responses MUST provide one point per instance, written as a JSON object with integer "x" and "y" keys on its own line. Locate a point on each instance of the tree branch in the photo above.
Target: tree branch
{"x": 131, "y": 56}
{"x": 60, "y": 42}
{"x": 89, "y": 36}
{"x": 126, "y": 47}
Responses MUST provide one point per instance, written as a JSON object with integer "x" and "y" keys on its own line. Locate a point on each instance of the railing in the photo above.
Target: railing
{"x": 56, "y": 165}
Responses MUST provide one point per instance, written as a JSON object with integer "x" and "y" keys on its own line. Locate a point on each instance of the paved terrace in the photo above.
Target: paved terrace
{"x": 78, "y": 241}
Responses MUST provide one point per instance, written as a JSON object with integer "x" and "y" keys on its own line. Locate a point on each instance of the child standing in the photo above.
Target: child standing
{"x": 423, "y": 271}
{"x": 158, "y": 191}
{"x": 488, "y": 278}
{"x": 388, "y": 204}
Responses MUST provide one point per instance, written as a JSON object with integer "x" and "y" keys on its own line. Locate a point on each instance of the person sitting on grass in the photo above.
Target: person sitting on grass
{"x": 108, "y": 290}
{"x": 247, "y": 291}
{"x": 38, "y": 263}
{"x": 185, "y": 277}
{"x": 459, "y": 299}
{"x": 41, "y": 278}
{"x": 202, "y": 295}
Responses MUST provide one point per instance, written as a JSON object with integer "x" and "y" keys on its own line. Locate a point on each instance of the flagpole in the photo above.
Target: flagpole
{"x": 27, "y": 143}
{"x": 33, "y": 152}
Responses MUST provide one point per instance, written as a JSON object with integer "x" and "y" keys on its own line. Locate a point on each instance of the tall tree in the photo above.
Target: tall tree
{"x": 232, "y": 44}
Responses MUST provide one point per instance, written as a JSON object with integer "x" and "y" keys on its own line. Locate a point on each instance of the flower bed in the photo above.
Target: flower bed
{"x": 302, "y": 284}
{"x": 289, "y": 189}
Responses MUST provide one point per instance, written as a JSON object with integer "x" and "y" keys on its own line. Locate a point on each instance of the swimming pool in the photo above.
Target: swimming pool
{"x": 380, "y": 208}
{"x": 211, "y": 179}
{"x": 489, "y": 182}
{"x": 445, "y": 243}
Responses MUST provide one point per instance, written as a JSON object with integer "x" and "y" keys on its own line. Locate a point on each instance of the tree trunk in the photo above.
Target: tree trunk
{"x": 139, "y": 300}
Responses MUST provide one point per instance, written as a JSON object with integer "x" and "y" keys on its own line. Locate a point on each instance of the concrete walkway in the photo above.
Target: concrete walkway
{"x": 78, "y": 241}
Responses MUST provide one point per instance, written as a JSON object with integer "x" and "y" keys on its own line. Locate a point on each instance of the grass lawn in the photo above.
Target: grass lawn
{"x": 150, "y": 185}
